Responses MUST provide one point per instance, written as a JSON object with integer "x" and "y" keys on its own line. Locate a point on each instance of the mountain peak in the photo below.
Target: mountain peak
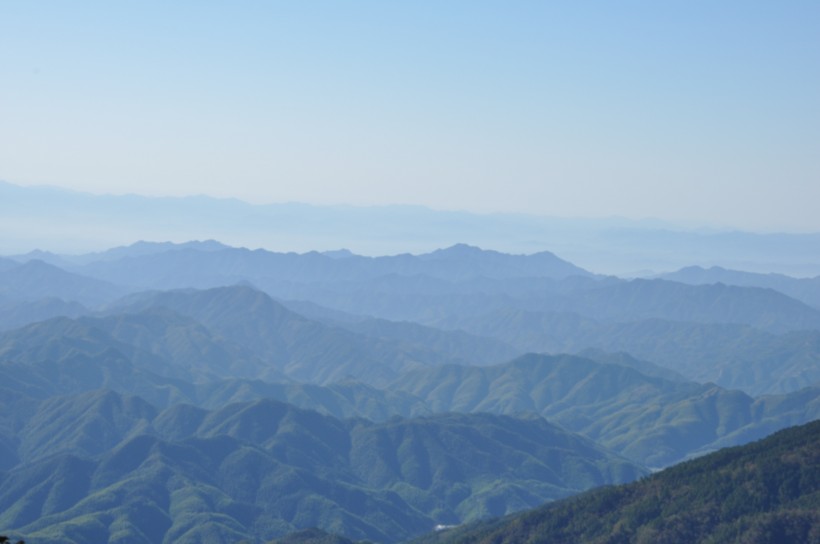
{"x": 458, "y": 251}
{"x": 339, "y": 253}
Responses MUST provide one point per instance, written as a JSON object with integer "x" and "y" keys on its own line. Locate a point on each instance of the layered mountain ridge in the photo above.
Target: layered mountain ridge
{"x": 372, "y": 397}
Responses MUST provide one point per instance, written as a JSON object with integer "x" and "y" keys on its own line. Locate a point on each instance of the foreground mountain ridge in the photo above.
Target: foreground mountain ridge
{"x": 767, "y": 492}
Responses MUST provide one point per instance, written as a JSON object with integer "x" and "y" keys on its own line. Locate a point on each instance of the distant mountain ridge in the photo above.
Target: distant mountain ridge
{"x": 440, "y": 285}
{"x": 59, "y": 218}
{"x": 732, "y": 355}
{"x": 804, "y": 289}
{"x": 189, "y": 266}
{"x": 301, "y": 348}
{"x": 661, "y": 321}
{"x": 36, "y": 279}
{"x": 642, "y": 299}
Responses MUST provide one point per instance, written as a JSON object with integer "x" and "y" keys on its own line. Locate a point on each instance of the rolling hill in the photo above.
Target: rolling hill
{"x": 110, "y": 468}
{"x": 652, "y": 420}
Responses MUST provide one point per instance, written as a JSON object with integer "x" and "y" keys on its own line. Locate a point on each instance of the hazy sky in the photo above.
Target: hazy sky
{"x": 707, "y": 111}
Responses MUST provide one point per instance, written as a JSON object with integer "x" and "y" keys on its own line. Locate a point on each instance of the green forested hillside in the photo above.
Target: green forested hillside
{"x": 470, "y": 348}
{"x": 166, "y": 358}
{"x": 69, "y": 357}
{"x": 106, "y": 468}
{"x": 767, "y": 492}
{"x": 311, "y": 536}
{"x": 652, "y": 420}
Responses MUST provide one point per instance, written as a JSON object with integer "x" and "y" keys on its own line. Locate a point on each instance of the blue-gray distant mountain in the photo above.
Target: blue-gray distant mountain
{"x": 237, "y": 332}
{"x": 446, "y": 284}
{"x": 803, "y": 289}
{"x": 731, "y": 355}
{"x": 301, "y": 348}
{"x": 451, "y": 283}
{"x": 448, "y": 304}
{"x": 16, "y": 313}
{"x": 59, "y": 220}
{"x": 36, "y": 279}
{"x": 191, "y": 266}
{"x": 644, "y": 299}
{"x": 6, "y": 263}
{"x": 479, "y": 350}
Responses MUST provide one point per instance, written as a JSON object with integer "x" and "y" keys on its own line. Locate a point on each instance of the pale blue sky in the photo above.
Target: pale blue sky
{"x": 698, "y": 111}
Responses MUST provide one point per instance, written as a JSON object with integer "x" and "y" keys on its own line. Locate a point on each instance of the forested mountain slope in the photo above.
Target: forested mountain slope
{"x": 765, "y": 492}
{"x": 104, "y": 467}
{"x": 652, "y": 420}
{"x": 232, "y": 414}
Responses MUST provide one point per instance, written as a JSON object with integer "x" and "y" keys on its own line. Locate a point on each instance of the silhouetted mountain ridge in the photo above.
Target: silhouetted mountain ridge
{"x": 804, "y": 289}
{"x": 36, "y": 280}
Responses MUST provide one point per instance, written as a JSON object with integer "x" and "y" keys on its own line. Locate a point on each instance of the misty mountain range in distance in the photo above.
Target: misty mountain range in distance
{"x": 58, "y": 220}
{"x": 197, "y": 392}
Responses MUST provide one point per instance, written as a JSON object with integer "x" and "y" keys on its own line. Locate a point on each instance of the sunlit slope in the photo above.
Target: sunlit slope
{"x": 106, "y": 467}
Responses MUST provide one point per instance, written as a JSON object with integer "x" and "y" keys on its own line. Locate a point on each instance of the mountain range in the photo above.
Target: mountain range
{"x": 237, "y": 344}
{"x": 198, "y": 392}
{"x": 104, "y": 467}
{"x": 803, "y": 289}
{"x": 57, "y": 219}
{"x": 516, "y": 303}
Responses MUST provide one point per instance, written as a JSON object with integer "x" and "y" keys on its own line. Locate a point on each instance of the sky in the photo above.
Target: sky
{"x": 698, "y": 111}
